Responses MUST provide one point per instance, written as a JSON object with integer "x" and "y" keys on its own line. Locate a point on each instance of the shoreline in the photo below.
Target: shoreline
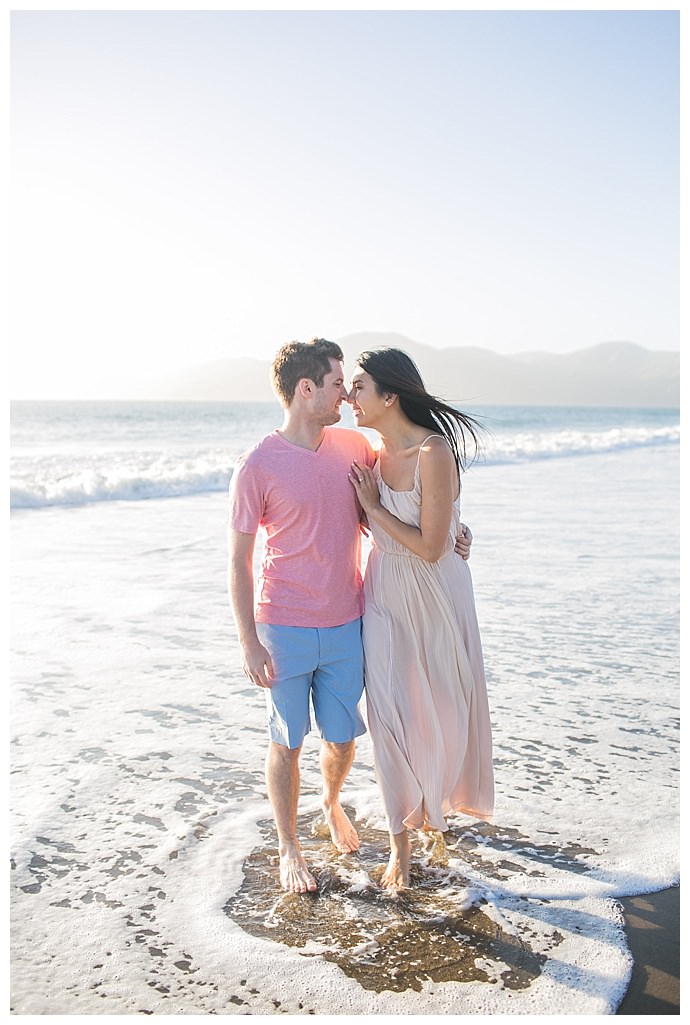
{"x": 652, "y": 928}
{"x": 131, "y": 674}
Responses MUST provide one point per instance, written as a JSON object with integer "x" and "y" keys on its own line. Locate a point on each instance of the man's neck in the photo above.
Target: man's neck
{"x": 301, "y": 433}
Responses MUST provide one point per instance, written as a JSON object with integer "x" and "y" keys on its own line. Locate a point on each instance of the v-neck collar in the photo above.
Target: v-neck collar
{"x": 303, "y": 448}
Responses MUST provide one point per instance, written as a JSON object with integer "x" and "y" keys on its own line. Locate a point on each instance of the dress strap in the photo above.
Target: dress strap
{"x": 424, "y": 443}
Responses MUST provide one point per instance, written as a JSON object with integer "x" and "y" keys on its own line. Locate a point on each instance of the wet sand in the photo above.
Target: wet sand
{"x": 395, "y": 946}
{"x": 652, "y": 925}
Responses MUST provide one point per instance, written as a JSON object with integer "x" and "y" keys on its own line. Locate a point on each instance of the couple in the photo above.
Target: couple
{"x": 315, "y": 630}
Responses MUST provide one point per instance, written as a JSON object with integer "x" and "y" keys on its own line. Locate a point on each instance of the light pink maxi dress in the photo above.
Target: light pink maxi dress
{"x": 426, "y": 695}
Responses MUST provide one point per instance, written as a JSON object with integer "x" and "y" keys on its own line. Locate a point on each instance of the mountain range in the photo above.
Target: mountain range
{"x": 607, "y": 374}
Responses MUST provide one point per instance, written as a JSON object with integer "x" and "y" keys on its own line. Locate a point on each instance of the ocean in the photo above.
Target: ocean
{"x": 143, "y": 853}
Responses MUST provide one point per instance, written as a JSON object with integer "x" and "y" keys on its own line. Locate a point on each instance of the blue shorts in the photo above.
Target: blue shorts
{"x": 324, "y": 664}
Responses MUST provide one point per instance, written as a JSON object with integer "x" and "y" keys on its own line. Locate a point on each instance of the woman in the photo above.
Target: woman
{"x": 426, "y": 692}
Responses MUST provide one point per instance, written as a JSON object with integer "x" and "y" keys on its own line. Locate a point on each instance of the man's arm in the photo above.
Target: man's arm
{"x": 256, "y": 661}
{"x": 463, "y": 542}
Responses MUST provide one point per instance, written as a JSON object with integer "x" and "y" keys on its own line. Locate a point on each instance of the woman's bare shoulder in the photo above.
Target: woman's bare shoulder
{"x": 435, "y": 448}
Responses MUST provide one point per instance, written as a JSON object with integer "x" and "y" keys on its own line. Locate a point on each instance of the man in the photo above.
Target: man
{"x": 301, "y": 636}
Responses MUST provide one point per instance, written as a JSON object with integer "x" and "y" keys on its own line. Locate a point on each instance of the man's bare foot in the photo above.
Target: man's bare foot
{"x": 295, "y": 877}
{"x": 343, "y": 833}
{"x": 397, "y": 875}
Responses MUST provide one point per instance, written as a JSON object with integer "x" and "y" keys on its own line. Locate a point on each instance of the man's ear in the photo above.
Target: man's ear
{"x": 305, "y": 386}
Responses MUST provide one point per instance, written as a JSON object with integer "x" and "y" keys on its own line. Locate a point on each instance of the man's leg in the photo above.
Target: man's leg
{"x": 336, "y": 762}
{"x": 336, "y": 693}
{"x": 294, "y": 652}
{"x": 282, "y": 781}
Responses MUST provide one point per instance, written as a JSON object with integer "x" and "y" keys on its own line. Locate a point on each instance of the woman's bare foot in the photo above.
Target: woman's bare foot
{"x": 343, "y": 833}
{"x": 397, "y": 875}
{"x": 295, "y": 877}
{"x": 433, "y": 843}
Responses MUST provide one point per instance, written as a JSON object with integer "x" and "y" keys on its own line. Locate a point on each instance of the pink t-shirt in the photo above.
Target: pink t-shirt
{"x": 308, "y": 510}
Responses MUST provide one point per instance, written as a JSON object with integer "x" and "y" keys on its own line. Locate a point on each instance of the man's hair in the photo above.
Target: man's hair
{"x": 296, "y": 360}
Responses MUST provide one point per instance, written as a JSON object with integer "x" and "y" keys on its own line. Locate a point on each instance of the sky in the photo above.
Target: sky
{"x": 188, "y": 186}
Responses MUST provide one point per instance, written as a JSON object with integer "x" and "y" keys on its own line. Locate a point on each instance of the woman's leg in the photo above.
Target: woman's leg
{"x": 397, "y": 875}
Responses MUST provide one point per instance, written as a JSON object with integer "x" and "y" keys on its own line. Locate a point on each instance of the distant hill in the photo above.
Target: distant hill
{"x": 608, "y": 374}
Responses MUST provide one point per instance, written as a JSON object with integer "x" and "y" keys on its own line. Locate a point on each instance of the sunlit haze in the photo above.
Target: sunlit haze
{"x": 188, "y": 186}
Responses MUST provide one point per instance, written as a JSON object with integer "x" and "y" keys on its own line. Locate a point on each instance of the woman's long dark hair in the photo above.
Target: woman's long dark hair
{"x": 392, "y": 370}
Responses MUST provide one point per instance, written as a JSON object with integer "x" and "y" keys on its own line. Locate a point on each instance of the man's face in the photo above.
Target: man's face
{"x": 328, "y": 397}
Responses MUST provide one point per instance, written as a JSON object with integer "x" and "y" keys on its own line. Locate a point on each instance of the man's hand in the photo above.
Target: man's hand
{"x": 257, "y": 665}
{"x": 463, "y": 542}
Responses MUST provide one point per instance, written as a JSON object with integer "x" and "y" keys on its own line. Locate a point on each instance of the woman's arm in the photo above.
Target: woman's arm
{"x": 438, "y": 485}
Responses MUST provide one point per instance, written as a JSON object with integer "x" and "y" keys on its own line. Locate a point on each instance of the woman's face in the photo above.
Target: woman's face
{"x": 367, "y": 404}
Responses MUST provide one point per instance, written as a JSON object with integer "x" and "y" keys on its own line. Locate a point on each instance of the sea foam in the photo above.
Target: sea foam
{"x": 74, "y": 475}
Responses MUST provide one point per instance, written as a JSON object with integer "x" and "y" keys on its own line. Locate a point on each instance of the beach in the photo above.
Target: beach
{"x": 652, "y": 925}
{"x": 143, "y": 851}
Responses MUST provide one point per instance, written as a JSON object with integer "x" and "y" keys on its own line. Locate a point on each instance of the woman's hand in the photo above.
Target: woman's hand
{"x": 364, "y": 483}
